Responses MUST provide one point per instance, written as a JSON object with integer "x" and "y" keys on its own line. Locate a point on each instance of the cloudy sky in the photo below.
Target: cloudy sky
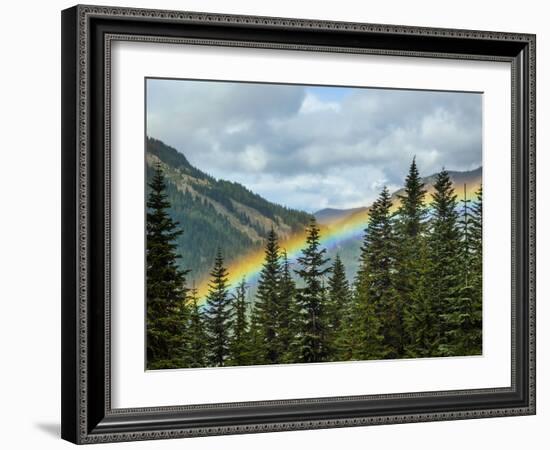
{"x": 314, "y": 147}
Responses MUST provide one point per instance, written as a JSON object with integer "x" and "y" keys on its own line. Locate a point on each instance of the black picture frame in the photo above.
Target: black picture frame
{"x": 87, "y": 416}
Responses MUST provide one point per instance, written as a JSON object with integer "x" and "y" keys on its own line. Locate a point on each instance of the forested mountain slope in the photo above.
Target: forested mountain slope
{"x": 216, "y": 213}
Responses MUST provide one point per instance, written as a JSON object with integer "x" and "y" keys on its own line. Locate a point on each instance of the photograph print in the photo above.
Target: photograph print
{"x": 291, "y": 224}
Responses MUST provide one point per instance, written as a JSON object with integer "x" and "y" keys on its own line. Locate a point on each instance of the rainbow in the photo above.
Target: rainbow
{"x": 333, "y": 234}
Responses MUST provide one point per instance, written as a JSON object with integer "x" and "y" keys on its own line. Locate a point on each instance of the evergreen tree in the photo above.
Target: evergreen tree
{"x": 311, "y": 343}
{"x": 411, "y": 262}
{"x": 412, "y": 210}
{"x": 363, "y": 339}
{"x": 197, "y": 337}
{"x": 476, "y": 272}
{"x": 444, "y": 249}
{"x": 378, "y": 255}
{"x": 238, "y": 348}
{"x": 361, "y": 336}
{"x": 166, "y": 292}
{"x": 288, "y": 309}
{"x": 267, "y": 304}
{"x": 348, "y": 342}
{"x": 420, "y": 319}
{"x": 254, "y": 354}
{"x": 218, "y": 314}
{"x": 463, "y": 316}
{"x": 339, "y": 302}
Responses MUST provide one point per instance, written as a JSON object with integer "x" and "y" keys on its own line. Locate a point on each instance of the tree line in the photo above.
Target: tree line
{"x": 417, "y": 293}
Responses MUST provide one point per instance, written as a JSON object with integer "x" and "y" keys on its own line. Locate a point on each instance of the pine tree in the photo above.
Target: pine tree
{"x": 410, "y": 263}
{"x": 267, "y": 303}
{"x": 339, "y": 302}
{"x": 166, "y": 291}
{"x": 238, "y": 348}
{"x": 311, "y": 343}
{"x": 218, "y": 315}
{"x": 379, "y": 251}
{"x": 444, "y": 249}
{"x": 197, "y": 337}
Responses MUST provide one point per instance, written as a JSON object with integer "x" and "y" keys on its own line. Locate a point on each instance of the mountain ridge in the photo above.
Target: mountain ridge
{"x": 458, "y": 178}
{"x": 215, "y": 212}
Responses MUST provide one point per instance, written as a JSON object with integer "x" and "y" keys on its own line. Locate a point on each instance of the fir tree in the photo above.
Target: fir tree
{"x": 463, "y": 333}
{"x": 311, "y": 343}
{"x": 378, "y": 255}
{"x": 254, "y": 354}
{"x": 445, "y": 254}
{"x": 166, "y": 292}
{"x": 476, "y": 236}
{"x": 267, "y": 304}
{"x": 410, "y": 263}
{"x": 218, "y": 314}
{"x": 339, "y": 302}
{"x": 288, "y": 310}
{"x": 363, "y": 338}
{"x": 238, "y": 348}
{"x": 412, "y": 210}
{"x": 420, "y": 319}
{"x": 197, "y": 337}
{"x": 348, "y": 343}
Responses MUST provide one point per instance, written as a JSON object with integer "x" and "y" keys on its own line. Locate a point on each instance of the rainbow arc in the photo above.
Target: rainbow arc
{"x": 333, "y": 234}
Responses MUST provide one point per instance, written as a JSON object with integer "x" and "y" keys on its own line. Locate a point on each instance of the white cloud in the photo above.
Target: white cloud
{"x": 310, "y": 151}
{"x": 237, "y": 127}
{"x": 253, "y": 158}
{"x": 312, "y": 104}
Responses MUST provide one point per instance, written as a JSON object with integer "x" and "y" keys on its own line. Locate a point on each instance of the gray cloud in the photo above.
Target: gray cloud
{"x": 295, "y": 147}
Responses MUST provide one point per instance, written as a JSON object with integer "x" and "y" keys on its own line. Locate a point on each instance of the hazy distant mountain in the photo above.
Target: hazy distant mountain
{"x": 471, "y": 178}
{"x": 329, "y": 215}
{"x": 354, "y": 220}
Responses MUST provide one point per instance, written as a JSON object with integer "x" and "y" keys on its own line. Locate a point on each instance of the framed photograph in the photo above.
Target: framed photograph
{"x": 280, "y": 224}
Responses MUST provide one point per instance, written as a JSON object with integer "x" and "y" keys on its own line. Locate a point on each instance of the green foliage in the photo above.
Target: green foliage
{"x": 463, "y": 316}
{"x": 171, "y": 157}
{"x": 379, "y": 255}
{"x": 206, "y": 230}
{"x": 339, "y": 300}
{"x": 194, "y": 197}
{"x": 364, "y": 335}
{"x": 288, "y": 312}
{"x": 411, "y": 264}
{"x": 238, "y": 346}
{"x": 267, "y": 304}
{"x": 196, "y": 350}
{"x": 444, "y": 256}
{"x": 419, "y": 316}
{"x": 417, "y": 290}
{"x": 226, "y": 192}
{"x": 476, "y": 269}
{"x": 218, "y": 314}
{"x": 312, "y": 340}
{"x": 166, "y": 292}
{"x": 255, "y": 341}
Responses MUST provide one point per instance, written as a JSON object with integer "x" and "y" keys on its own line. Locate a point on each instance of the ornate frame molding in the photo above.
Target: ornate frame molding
{"x": 80, "y": 417}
